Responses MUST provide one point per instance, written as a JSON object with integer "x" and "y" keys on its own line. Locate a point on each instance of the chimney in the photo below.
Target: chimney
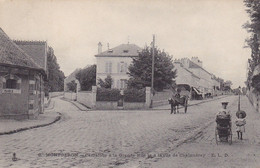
{"x": 99, "y": 48}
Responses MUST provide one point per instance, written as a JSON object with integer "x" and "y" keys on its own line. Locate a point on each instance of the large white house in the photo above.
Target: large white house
{"x": 115, "y": 62}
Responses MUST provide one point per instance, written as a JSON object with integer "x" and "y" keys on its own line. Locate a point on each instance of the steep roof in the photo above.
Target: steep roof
{"x": 36, "y": 49}
{"x": 187, "y": 70}
{"x": 194, "y": 65}
{"x": 11, "y": 54}
{"x": 123, "y": 50}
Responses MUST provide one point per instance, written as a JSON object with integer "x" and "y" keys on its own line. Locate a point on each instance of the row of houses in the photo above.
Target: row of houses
{"x": 115, "y": 62}
{"x": 23, "y": 70}
{"x": 192, "y": 73}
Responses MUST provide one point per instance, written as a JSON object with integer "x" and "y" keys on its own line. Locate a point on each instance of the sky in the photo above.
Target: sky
{"x": 208, "y": 29}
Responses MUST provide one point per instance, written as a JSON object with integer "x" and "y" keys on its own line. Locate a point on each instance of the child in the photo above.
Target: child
{"x": 240, "y": 123}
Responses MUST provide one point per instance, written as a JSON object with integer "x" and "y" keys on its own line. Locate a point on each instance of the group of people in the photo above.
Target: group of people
{"x": 240, "y": 120}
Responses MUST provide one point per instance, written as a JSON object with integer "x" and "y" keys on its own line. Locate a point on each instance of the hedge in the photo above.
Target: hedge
{"x": 104, "y": 94}
{"x": 134, "y": 95}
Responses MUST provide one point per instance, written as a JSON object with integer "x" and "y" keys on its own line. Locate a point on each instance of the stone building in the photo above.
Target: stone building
{"x": 23, "y": 69}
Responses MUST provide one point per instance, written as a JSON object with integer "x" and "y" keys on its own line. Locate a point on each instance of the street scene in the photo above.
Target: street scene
{"x": 118, "y": 84}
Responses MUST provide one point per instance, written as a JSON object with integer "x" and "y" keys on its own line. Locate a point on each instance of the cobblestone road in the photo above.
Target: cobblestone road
{"x": 205, "y": 153}
{"x": 102, "y": 138}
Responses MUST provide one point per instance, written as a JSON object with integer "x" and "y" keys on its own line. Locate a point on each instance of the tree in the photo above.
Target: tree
{"x": 253, "y": 27}
{"x": 227, "y": 85}
{"x": 140, "y": 71}
{"x": 107, "y": 83}
{"x": 55, "y": 81}
{"x": 72, "y": 86}
{"x": 87, "y": 77}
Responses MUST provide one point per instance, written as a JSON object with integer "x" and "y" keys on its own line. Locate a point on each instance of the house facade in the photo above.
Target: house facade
{"x": 198, "y": 77}
{"x": 115, "y": 62}
{"x": 22, "y": 77}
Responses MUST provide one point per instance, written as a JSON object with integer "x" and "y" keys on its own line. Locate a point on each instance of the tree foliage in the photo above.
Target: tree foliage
{"x": 253, "y": 27}
{"x": 72, "y": 86}
{"x": 87, "y": 77}
{"x": 107, "y": 83}
{"x": 140, "y": 71}
{"x": 55, "y": 81}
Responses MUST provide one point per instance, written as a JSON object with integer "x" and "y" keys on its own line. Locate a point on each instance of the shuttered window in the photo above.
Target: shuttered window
{"x": 108, "y": 68}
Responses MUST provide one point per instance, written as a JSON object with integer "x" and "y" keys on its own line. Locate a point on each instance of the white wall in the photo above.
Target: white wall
{"x": 115, "y": 71}
{"x": 85, "y": 98}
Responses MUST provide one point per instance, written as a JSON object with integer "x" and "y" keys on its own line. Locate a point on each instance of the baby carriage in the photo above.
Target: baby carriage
{"x": 223, "y": 131}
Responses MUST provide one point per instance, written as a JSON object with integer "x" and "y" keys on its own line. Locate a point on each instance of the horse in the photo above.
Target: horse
{"x": 175, "y": 102}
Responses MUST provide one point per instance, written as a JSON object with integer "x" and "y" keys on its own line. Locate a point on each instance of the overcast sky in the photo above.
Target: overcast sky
{"x": 208, "y": 29}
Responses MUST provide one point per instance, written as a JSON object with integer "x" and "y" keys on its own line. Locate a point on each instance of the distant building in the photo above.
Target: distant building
{"x": 71, "y": 77}
{"x": 191, "y": 72}
{"x": 115, "y": 62}
{"x": 23, "y": 69}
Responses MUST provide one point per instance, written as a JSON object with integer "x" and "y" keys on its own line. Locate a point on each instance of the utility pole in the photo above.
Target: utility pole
{"x": 152, "y": 87}
{"x": 239, "y": 98}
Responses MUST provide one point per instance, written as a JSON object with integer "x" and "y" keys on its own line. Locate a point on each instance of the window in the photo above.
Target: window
{"x": 11, "y": 84}
{"x": 122, "y": 67}
{"x": 108, "y": 67}
{"x": 125, "y": 51}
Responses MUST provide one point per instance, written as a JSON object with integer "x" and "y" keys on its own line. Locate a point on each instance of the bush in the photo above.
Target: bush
{"x": 134, "y": 95}
{"x": 256, "y": 82}
{"x": 104, "y": 94}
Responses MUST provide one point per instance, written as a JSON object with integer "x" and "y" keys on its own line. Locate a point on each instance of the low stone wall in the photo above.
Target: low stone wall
{"x": 254, "y": 98}
{"x": 85, "y": 97}
{"x": 105, "y": 105}
{"x": 134, "y": 105}
{"x": 55, "y": 94}
{"x": 70, "y": 95}
{"x": 160, "y": 103}
{"x": 112, "y": 105}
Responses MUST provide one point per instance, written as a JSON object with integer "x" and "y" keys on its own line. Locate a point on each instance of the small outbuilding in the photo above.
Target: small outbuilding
{"x": 23, "y": 70}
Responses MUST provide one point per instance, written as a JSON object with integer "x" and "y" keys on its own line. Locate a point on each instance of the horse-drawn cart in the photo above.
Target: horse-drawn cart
{"x": 184, "y": 93}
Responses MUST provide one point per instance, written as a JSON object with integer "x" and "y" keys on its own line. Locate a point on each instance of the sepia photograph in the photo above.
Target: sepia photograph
{"x": 129, "y": 84}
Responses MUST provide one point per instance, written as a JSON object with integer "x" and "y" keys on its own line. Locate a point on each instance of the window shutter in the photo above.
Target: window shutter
{"x": 4, "y": 85}
{"x": 125, "y": 67}
{"x": 17, "y": 85}
{"x": 117, "y": 85}
{"x": 110, "y": 67}
{"x": 106, "y": 70}
{"x": 118, "y": 67}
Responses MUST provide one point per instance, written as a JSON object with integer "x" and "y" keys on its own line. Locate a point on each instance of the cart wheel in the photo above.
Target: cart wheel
{"x": 186, "y": 105}
{"x": 216, "y": 136}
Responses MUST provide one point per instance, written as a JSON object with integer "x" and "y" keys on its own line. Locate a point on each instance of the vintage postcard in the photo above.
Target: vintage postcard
{"x": 129, "y": 84}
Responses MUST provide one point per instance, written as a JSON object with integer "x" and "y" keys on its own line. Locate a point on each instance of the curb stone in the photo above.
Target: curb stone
{"x": 31, "y": 127}
{"x": 75, "y": 104}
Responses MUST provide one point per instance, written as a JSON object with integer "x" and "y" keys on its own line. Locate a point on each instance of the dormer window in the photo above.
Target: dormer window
{"x": 110, "y": 51}
{"x": 125, "y": 51}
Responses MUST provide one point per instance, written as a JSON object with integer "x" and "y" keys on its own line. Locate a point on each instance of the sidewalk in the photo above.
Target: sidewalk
{"x": 242, "y": 153}
{"x": 80, "y": 106}
{"x": 190, "y": 103}
{"x": 14, "y": 126}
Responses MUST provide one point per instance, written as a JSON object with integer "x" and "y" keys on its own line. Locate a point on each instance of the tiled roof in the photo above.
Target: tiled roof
{"x": 123, "y": 50}
{"x": 36, "y": 49}
{"x": 11, "y": 54}
{"x": 194, "y": 65}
